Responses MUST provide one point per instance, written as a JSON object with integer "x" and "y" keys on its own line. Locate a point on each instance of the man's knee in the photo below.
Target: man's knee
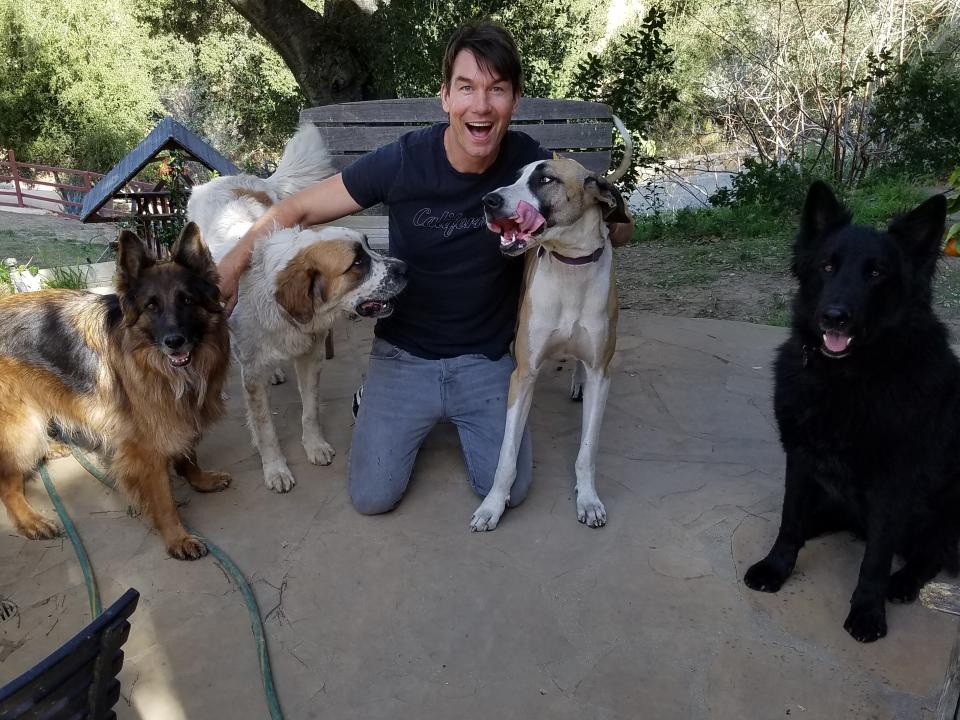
{"x": 371, "y": 492}
{"x": 366, "y": 504}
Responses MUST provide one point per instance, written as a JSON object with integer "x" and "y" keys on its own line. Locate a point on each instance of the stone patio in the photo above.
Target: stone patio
{"x": 409, "y": 615}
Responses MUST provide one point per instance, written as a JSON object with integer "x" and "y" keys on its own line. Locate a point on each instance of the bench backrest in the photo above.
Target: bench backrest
{"x": 573, "y": 128}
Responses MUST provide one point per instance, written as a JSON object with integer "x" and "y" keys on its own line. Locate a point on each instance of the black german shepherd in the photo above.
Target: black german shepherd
{"x": 867, "y": 401}
{"x": 140, "y": 371}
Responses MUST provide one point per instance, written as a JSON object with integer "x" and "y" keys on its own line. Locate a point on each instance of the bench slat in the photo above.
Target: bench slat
{"x": 574, "y": 128}
{"x": 360, "y": 138}
{"x": 419, "y": 110}
{"x": 596, "y": 161}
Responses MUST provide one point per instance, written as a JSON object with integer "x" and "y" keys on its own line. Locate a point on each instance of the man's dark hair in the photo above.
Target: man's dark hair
{"x": 491, "y": 45}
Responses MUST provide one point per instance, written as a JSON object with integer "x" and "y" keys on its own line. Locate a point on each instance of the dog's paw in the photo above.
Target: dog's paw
{"x": 577, "y": 379}
{"x": 591, "y": 511}
{"x": 765, "y": 576}
{"x": 576, "y": 390}
{"x": 319, "y": 452}
{"x": 903, "y": 587}
{"x": 278, "y": 377}
{"x": 278, "y": 478}
{"x": 37, "y": 527}
{"x": 188, "y": 547}
{"x": 488, "y": 514}
{"x": 210, "y": 481}
{"x": 866, "y": 623}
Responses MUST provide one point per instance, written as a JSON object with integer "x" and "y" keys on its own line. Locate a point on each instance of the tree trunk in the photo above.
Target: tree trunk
{"x": 321, "y": 50}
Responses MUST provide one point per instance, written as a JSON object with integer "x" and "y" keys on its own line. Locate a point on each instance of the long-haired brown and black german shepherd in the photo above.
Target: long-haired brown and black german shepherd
{"x": 140, "y": 371}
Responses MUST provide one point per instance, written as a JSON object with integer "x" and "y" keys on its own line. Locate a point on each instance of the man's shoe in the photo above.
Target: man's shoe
{"x": 356, "y": 401}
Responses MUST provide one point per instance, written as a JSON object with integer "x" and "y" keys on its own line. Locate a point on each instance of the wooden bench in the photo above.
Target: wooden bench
{"x": 573, "y": 128}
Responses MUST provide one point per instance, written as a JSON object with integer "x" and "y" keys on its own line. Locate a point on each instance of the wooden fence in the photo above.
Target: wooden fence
{"x": 69, "y": 185}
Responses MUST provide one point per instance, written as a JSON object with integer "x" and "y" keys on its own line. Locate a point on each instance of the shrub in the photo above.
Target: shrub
{"x": 778, "y": 186}
{"x": 917, "y": 116}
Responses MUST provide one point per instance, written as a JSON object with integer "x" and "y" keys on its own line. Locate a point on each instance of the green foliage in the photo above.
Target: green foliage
{"x": 66, "y": 278}
{"x": 780, "y": 187}
{"x": 917, "y": 112}
{"x": 953, "y": 205}
{"x": 754, "y": 234}
{"x": 880, "y": 198}
{"x": 174, "y": 178}
{"x": 72, "y": 92}
{"x": 633, "y": 76}
{"x": 221, "y": 79}
{"x": 711, "y": 225}
{"x": 190, "y": 20}
{"x": 548, "y": 34}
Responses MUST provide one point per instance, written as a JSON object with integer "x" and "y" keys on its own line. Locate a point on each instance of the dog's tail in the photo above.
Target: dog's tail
{"x": 305, "y": 161}
{"x": 627, "y": 151}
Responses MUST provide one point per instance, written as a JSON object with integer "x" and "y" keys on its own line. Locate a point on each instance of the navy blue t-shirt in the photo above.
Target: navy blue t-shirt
{"x": 462, "y": 292}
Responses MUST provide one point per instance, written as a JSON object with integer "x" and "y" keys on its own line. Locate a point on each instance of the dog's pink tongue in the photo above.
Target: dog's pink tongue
{"x": 529, "y": 219}
{"x": 836, "y": 342}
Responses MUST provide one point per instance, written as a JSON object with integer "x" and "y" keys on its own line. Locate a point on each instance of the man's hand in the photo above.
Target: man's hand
{"x": 620, "y": 233}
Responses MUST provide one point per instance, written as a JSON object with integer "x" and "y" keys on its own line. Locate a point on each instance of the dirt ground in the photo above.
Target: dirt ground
{"x": 752, "y": 297}
{"x": 28, "y": 223}
{"x": 762, "y": 298}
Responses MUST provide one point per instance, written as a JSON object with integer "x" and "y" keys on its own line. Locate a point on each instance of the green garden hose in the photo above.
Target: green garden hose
{"x": 223, "y": 560}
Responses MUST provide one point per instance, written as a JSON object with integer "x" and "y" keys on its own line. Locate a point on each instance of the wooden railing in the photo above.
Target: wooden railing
{"x": 69, "y": 185}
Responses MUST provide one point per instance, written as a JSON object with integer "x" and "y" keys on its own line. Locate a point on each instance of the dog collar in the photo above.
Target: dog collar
{"x": 582, "y": 260}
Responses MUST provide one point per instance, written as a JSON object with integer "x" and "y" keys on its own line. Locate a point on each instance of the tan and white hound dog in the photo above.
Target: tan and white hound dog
{"x": 557, "y": 213}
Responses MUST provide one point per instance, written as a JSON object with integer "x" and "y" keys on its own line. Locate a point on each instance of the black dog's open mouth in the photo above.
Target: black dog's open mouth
{"x": 836, "y": 343}
{"x": 179, "y": 359}
{"x": 374, "y": 308}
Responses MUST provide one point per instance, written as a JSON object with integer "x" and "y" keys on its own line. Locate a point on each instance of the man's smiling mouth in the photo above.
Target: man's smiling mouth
{"x": 479, "y": 130}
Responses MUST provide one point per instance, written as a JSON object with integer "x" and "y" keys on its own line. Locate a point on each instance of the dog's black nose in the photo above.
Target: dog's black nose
{"x": 835, "y": 316}
{"x": 493, "y": 200}
{"x": 174, "y": 342}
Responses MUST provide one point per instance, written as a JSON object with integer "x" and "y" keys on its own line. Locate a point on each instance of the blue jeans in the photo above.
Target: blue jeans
{"x": 404, "y": 397}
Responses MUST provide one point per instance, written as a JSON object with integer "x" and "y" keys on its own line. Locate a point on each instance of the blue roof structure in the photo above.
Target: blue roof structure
{"x": 167, "y": 135}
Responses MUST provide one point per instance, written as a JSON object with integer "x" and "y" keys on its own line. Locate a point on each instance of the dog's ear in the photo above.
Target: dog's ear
{"x": 822, "y": 212}
{"x": 298, "y": 285}
{"x": 920, "y": 231}
{"x": 132, "y": 259}
{"x": 191, "y": 252}
{"x": 608, "y": 197}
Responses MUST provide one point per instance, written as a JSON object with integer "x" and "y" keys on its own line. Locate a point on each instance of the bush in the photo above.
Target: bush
{"x": 917, "y": 116}
{"x": 633, "y": 76}
{"x": 780, "y": 187}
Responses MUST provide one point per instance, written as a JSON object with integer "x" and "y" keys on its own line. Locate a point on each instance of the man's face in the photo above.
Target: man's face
{"x": 480, "y": 106}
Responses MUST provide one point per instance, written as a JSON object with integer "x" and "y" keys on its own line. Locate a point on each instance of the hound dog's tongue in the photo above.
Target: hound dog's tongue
{"x": 519, "y": 227}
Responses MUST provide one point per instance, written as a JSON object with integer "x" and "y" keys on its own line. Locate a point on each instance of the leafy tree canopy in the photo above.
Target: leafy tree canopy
{"x": 71, "y": 90}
